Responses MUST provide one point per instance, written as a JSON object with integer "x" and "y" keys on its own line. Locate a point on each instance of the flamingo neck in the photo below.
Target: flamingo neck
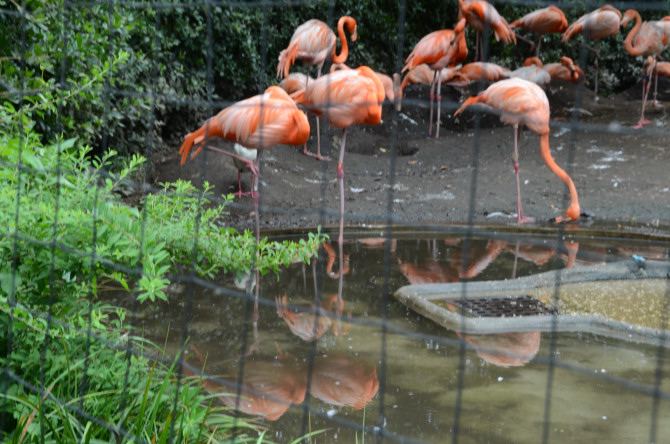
{"x": 344, "y": 51}
{"x": 558, "y": 171}
{"x": 628, "y": 43}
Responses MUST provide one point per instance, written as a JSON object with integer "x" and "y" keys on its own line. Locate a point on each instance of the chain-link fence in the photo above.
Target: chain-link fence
{"x": 156, "y": 296}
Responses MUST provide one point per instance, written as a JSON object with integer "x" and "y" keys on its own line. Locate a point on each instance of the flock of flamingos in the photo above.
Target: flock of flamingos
{"x": 354, "y": 96}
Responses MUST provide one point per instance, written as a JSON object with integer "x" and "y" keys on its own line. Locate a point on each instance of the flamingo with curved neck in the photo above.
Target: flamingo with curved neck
{"x": 520, "y": 102}
{"x": 314, "y": 42}
{"x": 645, "y": 39}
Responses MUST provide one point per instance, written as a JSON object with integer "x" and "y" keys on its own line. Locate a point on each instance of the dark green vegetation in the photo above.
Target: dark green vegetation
{"x": 186, "y": 61}
{"x": 74, "y": 369}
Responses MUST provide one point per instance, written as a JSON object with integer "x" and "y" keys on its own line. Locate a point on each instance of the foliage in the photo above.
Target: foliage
{"x": 67, "y": 207}
{"x": 66, "y": 232}
{"x": 185, "y": 62}
{"x": 93, "y": 388}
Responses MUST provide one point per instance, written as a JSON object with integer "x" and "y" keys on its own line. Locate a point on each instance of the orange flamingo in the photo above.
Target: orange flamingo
{"x": 314, "y": 42}
{"x": 482, "y": 15}
{"x": 532, "y": 70}
{"x": 595, "y": 25}
{"x": 392, "y": 88}
{"x": 542, "y": 21}
{"x": 295, "y": 84}
{"x": 519, "y": 103}
{"x": 483, "y": 71}
{"x": 662, "y": 68}
{"x": 664, "y": 24}
{"x": 346, "y": 97}
{"x": 645, "y": 39}
{"x": 565, "y": 70}
{"x": 262, "y": 121}
{"x": 438, "y": 50}
{"x": 423, "y": 75}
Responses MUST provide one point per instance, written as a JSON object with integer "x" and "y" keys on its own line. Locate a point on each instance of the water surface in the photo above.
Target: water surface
{"x": 310, "y": 360}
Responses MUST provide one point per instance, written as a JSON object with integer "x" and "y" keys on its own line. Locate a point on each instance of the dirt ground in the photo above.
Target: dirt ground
{"x": 621, "y": 174}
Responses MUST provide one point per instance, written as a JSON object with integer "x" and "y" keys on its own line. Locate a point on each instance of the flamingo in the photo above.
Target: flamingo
{"x": 483, "y": 71}
{"x": 259, "y": 122}
{"x": 423, "y": 75}
{"x": 520, "y": 102}
{"x": 295, "y": 84}
{"x": 645, "y": 39}
{"x": 392, "y": 88}
{"x": 565, "y": 70}
{"x": 438, "y": 50}
{"x": 314, "y": 42}
{"x": 542, "y": 21}
{"x": 482, "y": 15}
{"x": 242, "y": 166}
{"x": 595, "y": 25}
{"x": 532, "y": 70}
{"x": 661, "y": 68}
{"x": 346, "y": 97}
{"x": 664, "y": 24}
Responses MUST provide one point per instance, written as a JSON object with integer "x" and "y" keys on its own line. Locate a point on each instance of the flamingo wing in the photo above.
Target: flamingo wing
{"x": 597, "y": 24}
{"x": 351, "y": 97}
{"x": 311, "y": 42}
{"x": 543, "y": 21}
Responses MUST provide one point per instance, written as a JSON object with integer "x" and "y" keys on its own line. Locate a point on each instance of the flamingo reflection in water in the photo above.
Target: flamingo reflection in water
{"x": 513, "y": 349}
{"x": 510, "y": 349}
{"x": 267, "y": 387}
{"x": 343, "y": 380}
{"x": 309, "y": 324}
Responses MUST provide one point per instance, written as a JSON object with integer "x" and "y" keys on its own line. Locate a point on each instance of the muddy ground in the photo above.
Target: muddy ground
{"x": 621, "y": 174}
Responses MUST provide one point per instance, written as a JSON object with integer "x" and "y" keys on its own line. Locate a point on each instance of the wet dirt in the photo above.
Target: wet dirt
{"x": 394, "y": 172}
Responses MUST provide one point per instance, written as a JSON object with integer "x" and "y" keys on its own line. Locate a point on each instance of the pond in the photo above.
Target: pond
{"x": 311, "y": 359}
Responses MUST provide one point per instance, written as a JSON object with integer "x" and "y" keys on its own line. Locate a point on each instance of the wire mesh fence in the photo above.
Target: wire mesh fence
{"x": 239, "y": 319}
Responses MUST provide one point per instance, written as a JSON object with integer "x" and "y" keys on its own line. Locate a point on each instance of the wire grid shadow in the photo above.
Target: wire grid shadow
{"x": 326, "y": 348}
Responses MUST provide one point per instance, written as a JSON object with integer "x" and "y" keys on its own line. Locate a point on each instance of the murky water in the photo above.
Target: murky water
{"x": 409, "y": 378}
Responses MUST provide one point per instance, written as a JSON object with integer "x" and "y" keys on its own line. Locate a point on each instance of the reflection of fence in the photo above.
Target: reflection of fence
{"x": 340, "y": 343}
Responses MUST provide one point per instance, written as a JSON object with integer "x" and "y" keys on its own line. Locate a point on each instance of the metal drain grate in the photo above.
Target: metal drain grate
{"x": 499, "y": 307}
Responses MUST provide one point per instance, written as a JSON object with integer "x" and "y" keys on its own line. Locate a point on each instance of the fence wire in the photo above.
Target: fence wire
{"x": 27, "y": 389}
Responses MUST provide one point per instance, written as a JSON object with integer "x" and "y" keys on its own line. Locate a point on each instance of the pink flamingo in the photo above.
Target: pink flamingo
{"x": 520, "y": 102}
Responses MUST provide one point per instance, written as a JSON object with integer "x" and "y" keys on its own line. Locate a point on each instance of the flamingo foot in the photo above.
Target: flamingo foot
{"x": 657, "y": 104}
{"x": 317, "y": 155}
{"x": 241, "y": 193}
{"x": 521, "y": 219}
{"x": 641, "y": 123}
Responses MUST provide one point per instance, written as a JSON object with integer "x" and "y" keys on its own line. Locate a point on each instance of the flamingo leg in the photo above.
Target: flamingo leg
{"x": 318, "y": 130}
{"x": 439, "y": 106}
{"x": 645, "y": 92}
{"x": 240, "y": 193}
{"x": 595, "y": 65}
{"x": 340, "y": 302}
{"x": 250, "y": 163}
{"x": 255, "y": 195}
{"x": 432, "y": 96}
{"x": 340, "y": 179}
{"x": 656, "y": 102}
{"x": 520, "y": 218}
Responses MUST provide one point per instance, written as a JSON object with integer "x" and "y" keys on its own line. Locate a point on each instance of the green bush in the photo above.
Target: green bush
{"x": 185, "y": 62}
{"x": 67, "y": 233}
